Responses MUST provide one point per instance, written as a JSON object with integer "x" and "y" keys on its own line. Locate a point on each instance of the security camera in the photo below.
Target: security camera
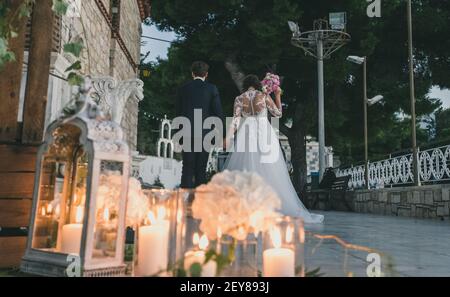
{"x": 355, "y": 59}
{"x": 375, "y": 100}
{"x": 294, "y": 28}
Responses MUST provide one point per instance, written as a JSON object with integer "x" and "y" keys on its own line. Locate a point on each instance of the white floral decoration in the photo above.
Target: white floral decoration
{"x": 137, "y": 206}
{"x": 235, "y": 203}
{"x": 109, "y": 189}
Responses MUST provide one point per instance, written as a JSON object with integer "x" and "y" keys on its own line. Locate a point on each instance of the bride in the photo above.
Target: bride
{"x": 256, "y": 148}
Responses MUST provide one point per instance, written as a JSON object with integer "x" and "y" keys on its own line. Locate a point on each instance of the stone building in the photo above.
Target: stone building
{"x": 111, "y": 31}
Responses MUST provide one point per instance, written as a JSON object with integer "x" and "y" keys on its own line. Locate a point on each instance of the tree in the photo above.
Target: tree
{"x": 238, "y": 37}
{"x": 443, "y": 125}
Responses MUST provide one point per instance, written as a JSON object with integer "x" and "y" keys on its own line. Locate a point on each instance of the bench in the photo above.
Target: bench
{"x": 327, "y": 199}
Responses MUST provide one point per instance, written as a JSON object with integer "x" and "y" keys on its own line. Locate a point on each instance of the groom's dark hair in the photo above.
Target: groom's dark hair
{"x": 200, "y": 68}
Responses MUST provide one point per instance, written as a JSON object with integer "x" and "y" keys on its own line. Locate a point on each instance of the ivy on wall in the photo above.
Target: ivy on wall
{"x": 8, "y": 30}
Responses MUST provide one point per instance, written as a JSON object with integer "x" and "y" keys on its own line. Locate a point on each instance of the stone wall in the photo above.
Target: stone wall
{"x": 106, "y": 57}
{"x": 97, "y": 36}
{"x": 428, "y": 202}
{"x": 129, "y": 25}
{"x": 418, "y": 202}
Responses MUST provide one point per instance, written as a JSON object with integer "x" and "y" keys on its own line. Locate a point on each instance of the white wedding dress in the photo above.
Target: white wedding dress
{"x": 256, "y": 148}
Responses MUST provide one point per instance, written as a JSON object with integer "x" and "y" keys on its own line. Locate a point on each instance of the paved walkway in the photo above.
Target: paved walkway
{"x": 417, "y": 247}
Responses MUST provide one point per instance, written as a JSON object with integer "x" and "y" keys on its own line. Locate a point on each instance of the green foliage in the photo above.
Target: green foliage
{"x": 195, "y": 270}
{"x": 8, "y": 30}
{"x": 314, "y": 273}
{"x": 74, "y": 48}
{"x": 75, "y": 79}
{"x": 60, "y": 7}
{"x": 443, "y": 125}
{"x": 254, "y": 33}
{"x": 8, "y": 27}
{"x": 221, "y": 260}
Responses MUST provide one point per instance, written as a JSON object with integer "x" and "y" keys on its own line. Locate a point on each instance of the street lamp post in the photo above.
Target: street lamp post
{"x": 366, "y": 141}
{"x": 366, "y": 102}
{"x": 412, "y": 98}
{"x": 321, "y": 43}
{"x": 321, "y": 104}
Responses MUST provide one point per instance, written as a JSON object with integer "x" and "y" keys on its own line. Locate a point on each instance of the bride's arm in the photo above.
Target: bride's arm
{"x": 237, "y": 110}
{"x": 275, "y": 108}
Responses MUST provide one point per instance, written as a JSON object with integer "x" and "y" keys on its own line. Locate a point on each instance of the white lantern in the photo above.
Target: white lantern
{"x": 78, "y": 217}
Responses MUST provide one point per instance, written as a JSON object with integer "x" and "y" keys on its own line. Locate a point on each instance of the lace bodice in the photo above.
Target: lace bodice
{"x": 253, "y": 103}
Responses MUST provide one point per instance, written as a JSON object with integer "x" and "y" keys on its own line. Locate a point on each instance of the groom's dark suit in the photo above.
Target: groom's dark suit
{"x": 197, "y": 94}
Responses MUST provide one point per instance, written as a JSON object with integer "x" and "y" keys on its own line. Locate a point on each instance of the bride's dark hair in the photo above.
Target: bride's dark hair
{"x": 252, "y": 81}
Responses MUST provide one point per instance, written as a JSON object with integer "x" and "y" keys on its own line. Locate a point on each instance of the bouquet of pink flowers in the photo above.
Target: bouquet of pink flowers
{"x": 270, "y": 83}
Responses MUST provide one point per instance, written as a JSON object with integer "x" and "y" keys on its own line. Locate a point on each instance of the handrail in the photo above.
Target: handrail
{"x": 434, "y": 167}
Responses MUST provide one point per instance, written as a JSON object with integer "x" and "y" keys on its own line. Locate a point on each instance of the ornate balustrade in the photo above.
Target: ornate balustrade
{"x": 434, "y": 166}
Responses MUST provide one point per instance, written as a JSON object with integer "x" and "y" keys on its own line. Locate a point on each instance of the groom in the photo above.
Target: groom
{"x": 197, "y": 95}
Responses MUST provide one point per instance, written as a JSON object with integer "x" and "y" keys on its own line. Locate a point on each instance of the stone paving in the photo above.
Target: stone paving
{"x": 417, "y": 247}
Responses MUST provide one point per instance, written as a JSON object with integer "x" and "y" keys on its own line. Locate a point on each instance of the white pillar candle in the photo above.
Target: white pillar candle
{"x": 153, "y": 248}
{"x": 191, "y": 257}
{"x": 279, "y": 262}
{"x": 71, "y": 234}
{"x": 71, "y": 238}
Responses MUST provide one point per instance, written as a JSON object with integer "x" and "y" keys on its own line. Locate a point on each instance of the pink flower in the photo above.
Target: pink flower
{"x": 270, "y": 83}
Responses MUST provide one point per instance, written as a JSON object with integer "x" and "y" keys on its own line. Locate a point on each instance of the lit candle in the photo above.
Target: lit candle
{"x": 278, "y": 262}
{"x": 153, "y": 245}
{"x": 106, "y": 214}
{"x": 71, "y": 234}
{"x": 49, "y": 209}
{"x": 199, "y": 256}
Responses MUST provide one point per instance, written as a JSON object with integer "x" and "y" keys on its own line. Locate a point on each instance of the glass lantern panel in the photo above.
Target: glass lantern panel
{"x": 107, "y": 209}
{"x": 48, "y": 208}
{"x": 61, "y": 194}
{"x": 73, "y": 216}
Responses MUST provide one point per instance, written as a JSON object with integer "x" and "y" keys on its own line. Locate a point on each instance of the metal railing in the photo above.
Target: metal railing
{"x": 434, "y": 167}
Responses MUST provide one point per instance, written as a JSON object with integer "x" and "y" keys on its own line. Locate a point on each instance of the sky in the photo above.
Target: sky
{"x": 156, "y": 48}
{"x": 159, "y": 49}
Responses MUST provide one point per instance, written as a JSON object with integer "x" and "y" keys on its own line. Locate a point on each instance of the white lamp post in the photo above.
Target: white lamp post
{"x": 367, "y": 102}
{"x": 321, "y": 43}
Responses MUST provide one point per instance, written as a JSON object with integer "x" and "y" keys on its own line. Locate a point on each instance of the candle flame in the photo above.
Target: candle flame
{"x": 151, "y": 217}
{"x": 49, "y": 209}
{"x": 241, "y": 233}
{"x": 275, "y": 236}
{"x": 106, "y": 214}
{"x": 204, "y": 242}
{"x": 79, "y": 215}
{"x": 196, "y": 239}
{"x": 302, "y": 235}
{"x": 43, "y": 213}
{"x": 179, "y": 215}
{"x": 289, "y": 234}
{"x": 161, "y": 213}
{"x": 57, "y": 211}
{"x": 256, "y": 219}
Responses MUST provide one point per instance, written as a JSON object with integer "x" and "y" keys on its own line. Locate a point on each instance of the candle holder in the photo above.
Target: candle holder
{"x": 283, "y": 248}
{"x": 79, "y": 199}
{"x": 155, "y": 235}
{"x": 242, "y": 256}
{"x": 197, "y": 252}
